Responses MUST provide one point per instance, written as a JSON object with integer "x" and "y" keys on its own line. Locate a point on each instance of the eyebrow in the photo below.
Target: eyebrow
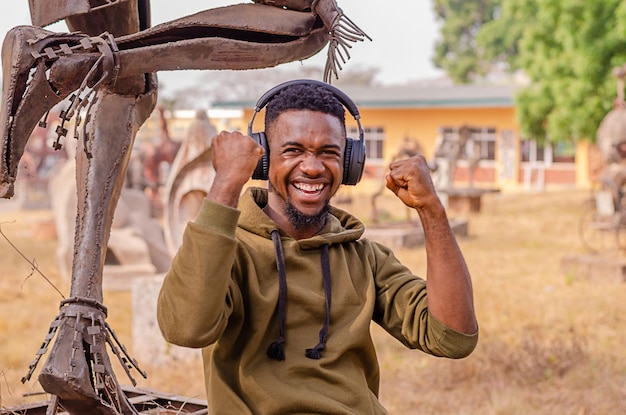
{"x": 298, "y": 144}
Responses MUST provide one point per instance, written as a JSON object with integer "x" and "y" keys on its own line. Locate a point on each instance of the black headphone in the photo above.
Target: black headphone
{"x": 354, "y": 155}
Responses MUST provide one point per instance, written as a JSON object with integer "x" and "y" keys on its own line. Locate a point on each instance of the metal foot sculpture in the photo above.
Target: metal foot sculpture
{"x": 107, "y": 65}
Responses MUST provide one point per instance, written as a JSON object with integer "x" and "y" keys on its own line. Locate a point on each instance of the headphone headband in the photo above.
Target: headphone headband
{"x": 339, "y": 94}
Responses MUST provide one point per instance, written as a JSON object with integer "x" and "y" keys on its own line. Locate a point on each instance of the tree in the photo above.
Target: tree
{"x": 568, "y": 49}
{"x": 457, "y": 52}
{"x": 498, "y": 40}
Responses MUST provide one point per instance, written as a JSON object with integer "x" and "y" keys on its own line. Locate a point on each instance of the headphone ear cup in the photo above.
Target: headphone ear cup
{"x": 353, "y": 162}
{"x": 263, "y": 166}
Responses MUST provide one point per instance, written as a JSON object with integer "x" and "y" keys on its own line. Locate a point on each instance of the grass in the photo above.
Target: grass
{"x": 550, "y": 343}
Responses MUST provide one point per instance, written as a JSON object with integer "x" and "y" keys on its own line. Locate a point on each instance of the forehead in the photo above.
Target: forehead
{"x": 297, "y": 125}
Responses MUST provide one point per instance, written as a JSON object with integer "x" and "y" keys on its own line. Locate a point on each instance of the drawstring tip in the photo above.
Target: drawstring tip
{"x": 276, "y": 351}
{"x": 316, "y": 352}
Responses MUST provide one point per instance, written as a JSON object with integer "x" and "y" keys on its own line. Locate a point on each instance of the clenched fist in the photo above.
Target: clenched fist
{"x": 410, "y": 180}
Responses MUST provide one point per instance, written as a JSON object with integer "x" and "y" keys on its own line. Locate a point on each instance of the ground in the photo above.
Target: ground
{"x": 550, "y": 343}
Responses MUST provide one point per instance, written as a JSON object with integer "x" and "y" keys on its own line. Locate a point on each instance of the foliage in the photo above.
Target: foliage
{"x": 457, "y": 52}
{"x": 498, "y": 39}
{"x": 569, "y": 52}
{"x": 566, "y": 48}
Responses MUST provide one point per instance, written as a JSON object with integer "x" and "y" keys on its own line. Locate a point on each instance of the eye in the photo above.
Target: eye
{"x": 292, "y": 150}
{"x": 329, "y": 152}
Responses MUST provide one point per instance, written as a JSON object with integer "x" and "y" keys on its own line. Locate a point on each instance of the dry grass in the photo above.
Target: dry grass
{"x": 550, "y": 343}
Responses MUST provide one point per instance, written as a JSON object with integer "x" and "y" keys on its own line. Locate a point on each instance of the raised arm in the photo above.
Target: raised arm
{"x": 448, "y": 282}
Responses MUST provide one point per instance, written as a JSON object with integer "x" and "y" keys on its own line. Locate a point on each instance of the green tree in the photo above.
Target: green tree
{"x": 457, "y": 51}
{"x": 498, "y": 39}
{"x": 568, "y": 49}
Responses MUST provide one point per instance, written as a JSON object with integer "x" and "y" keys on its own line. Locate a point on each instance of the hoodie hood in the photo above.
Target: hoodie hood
{"x": 340, "y": 227}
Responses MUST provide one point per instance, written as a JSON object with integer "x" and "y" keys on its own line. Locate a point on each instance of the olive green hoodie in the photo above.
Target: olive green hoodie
{"x": 223, "y": 294}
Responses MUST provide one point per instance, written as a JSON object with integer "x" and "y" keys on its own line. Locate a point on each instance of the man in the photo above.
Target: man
{"x": 280, "y": 289}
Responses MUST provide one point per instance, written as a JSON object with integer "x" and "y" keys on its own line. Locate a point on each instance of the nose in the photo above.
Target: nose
{"x": 311, "y": 165}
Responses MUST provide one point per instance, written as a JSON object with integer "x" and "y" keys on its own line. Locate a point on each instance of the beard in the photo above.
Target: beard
{"x": 301, "y": 220}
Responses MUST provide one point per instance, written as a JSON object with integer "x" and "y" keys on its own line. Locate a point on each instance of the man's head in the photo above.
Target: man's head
{"x": 306, "y": 134}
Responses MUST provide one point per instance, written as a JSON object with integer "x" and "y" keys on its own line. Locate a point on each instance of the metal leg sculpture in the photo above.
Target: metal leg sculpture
{"x": 108, "y": 65}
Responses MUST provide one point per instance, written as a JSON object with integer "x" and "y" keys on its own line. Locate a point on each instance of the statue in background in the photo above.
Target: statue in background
{"x": 157, "y": 162}
{"x": 449, "y": 149}
{"x": 409, "y": 147}
{"x": 611, "y": 141}
{"x": 107, "y": 67}
{"x": 189, "y": 181}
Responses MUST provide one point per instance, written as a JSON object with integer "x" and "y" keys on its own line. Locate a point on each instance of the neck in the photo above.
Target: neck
{"x": 296, "y": 232}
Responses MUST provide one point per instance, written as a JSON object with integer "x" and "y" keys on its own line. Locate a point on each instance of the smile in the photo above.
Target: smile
{"x": 309, "y": 188}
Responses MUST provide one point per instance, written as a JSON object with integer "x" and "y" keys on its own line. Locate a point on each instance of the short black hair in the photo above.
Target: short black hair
{"x": 304, "y": 97}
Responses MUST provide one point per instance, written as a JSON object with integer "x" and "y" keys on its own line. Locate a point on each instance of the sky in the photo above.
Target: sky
{"x": 403, "y": 33}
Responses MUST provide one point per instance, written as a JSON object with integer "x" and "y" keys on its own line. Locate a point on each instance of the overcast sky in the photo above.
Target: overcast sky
{"x": 402, "y": 31}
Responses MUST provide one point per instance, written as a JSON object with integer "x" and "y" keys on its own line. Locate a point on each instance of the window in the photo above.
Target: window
{"x": 480, "y": 140}
{"x": 374, "y": 140}
{"x": 564, "y": 152}
{"x": 561, "y": 152}
{"x": 531, "y": 151}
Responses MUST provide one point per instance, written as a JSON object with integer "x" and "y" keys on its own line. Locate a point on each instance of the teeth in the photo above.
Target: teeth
{"x": 309, "y": 187}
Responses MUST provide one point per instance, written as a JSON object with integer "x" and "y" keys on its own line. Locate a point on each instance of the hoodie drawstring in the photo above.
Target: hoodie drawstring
{"x": 276, "y": 350}
{"x": 316, "y": 352}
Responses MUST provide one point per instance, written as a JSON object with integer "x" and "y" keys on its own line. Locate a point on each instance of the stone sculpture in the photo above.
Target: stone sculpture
{"x": 611, "y": 141}
{"x": 189, "y": 181}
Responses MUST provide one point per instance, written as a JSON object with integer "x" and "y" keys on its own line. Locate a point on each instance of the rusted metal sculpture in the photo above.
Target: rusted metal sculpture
{"x": 108, "y": 64}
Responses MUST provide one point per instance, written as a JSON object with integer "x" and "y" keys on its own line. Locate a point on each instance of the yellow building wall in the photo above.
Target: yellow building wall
{"x": 424, "y": 124}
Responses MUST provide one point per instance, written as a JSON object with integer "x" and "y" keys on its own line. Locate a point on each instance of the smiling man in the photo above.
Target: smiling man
{"x": 279, "y": 288}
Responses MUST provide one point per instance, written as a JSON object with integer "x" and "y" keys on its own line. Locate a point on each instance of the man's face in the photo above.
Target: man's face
{"x": 306, "y": 160}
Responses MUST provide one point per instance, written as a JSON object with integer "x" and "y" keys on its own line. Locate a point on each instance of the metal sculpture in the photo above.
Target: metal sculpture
{"x": 108, "y": 63}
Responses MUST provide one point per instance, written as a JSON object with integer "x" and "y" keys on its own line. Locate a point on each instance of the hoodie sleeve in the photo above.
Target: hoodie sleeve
{"x": 198, "y": 292}
{"x": 402, "y": 310}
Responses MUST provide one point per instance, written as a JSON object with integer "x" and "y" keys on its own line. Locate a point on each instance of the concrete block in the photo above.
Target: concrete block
{"x": 595, "y": 268}
{"x": 148, "y": 343}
